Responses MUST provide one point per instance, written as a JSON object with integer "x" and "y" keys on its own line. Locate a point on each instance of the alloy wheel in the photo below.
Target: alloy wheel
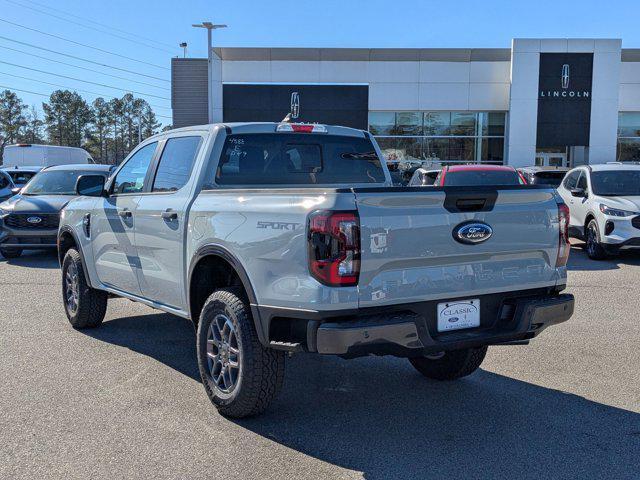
{"x": 591, "y": 240}
{"x": 223, "y": 353}
{"x": 71, "y": 287}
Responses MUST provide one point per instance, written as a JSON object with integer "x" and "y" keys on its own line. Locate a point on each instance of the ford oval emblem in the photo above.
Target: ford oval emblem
{"x": 472, "y": 232}
{"x": 34, "y": 220}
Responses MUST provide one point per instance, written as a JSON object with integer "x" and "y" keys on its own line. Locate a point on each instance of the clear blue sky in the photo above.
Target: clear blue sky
{"x": 269, "y": 23}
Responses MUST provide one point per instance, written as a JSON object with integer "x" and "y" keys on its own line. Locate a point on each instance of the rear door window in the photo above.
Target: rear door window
{"x": 176, "y": 163}
{"x": 297, "y": 158}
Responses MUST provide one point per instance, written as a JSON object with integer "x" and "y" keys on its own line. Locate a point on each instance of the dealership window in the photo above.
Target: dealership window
{"x": 628, "y": 137}
{"x": 440, "y": 137}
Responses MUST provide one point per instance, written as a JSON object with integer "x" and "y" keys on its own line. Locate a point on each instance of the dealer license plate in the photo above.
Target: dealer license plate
{"x": 458, "y": 314}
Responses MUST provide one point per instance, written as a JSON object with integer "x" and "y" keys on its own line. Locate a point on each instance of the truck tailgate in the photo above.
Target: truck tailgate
{"x": 410, "y": 254}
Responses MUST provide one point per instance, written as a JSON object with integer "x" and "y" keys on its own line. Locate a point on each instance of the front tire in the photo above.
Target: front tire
{"x": 240, "y": 376}
{"x": 450, "y": 365}
{"x": 10, "y": 252}
{"x": 85, "y": 306}
{"x": 595, "y": 250}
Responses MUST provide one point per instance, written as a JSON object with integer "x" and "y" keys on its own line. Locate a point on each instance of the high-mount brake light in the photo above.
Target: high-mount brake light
{"x": 564, "y": 247}
{"x": 301, "y": 128}
{"x": 334, "y": 247}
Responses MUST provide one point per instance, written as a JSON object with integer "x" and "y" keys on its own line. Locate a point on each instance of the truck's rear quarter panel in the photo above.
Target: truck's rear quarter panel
{"x": 265, "y": 229}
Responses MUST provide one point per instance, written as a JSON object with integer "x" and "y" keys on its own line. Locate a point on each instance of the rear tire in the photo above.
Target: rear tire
{"x": 451, "y": 365}
{"x": 240, "y": 376}
{"x": 10, "y": 252}
{"x": 85, "y": 306}
{"x": 595, "y": 250}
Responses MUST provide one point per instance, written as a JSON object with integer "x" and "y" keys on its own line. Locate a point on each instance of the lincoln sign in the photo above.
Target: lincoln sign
{"x": 564, "y": 99}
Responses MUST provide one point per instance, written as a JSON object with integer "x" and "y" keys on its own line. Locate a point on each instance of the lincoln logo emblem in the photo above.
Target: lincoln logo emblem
{"x": 565, "y": 76}
{"x": 295, "y": 105}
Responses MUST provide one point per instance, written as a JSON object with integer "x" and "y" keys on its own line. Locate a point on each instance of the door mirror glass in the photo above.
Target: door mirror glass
{"x": 578, "y": 192}
{"x": 90, "y": 185}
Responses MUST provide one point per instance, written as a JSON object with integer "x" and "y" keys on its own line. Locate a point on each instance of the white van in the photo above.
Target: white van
{"x": 26, "y": 154}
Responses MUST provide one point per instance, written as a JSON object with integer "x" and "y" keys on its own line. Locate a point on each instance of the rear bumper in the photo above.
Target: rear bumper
{"x": 402, "y": 333}
{"x": 411, "y": 330}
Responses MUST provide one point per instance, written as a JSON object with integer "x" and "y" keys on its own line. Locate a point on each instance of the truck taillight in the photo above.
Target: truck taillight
{"x": 564, "y": 247}
{"x": 334, "y": 247}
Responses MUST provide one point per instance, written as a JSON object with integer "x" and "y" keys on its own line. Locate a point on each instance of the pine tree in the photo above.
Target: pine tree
{"x": 150, "y": 124}
{"x": 67, "y": 117}
{"x": 32, "y": 132}
{"x": 12, "y": 119}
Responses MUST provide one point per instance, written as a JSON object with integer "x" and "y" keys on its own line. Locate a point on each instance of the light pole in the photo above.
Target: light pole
{"x": 210, "y": 27}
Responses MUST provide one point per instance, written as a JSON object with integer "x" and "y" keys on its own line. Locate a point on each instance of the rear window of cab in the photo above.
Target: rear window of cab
{"x": 297, "y": 158}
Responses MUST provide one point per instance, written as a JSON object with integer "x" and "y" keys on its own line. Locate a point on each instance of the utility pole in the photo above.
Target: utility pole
{"x": 210, "y": 27}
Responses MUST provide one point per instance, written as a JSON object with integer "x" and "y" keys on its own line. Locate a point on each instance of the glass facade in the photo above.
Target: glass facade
{"x": 628, "y": 137}
{"x": 440, "y": 137}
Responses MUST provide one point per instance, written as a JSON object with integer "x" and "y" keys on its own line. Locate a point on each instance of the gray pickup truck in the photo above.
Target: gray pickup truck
{"x": 276, "y": 238}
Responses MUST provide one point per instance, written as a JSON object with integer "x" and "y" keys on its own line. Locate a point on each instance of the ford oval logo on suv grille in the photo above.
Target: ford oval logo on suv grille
{"x": 472, "y": 232}
{"x": 34, "y": 220}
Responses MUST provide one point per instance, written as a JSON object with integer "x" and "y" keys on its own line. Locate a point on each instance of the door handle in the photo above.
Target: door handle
{"x": 125, "y": 213}
{"x": 170, "y": 215}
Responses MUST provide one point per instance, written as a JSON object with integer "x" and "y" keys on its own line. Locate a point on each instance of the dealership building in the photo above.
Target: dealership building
{"x": 542, "y": 101}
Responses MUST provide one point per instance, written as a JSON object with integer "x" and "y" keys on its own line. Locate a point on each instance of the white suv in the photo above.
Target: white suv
{"x": 604, "y": 201}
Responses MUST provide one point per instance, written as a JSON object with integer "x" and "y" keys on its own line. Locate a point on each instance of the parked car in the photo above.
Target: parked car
{"x": 29, "y": 220}
{"x": 604, "y": 201}
{"x": 21, "y": 175}
{"x": 423, "y": 177}
{"x": 27, "y": 154}
{"x": 537, "y": 175}
{"x": 7, "y": 187}
{"x": 276, "y": 238}
{"x": 478, "y": 175}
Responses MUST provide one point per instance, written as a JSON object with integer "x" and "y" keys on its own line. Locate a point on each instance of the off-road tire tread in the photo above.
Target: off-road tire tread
{"x": 92, "y": 303}
{"x": 453, "y": 365}
{"x": 263, "y": 368}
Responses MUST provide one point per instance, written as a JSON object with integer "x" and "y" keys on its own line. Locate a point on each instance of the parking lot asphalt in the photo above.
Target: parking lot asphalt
{"x": 124, "y": 400}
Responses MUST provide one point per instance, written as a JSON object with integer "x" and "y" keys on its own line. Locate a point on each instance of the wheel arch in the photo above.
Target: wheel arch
{"x": 227, "y": 271}
{"x": 68, "y": 239}
{"x": 590, "y": 216}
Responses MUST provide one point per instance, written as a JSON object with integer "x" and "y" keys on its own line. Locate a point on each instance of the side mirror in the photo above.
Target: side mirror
{"x": 16, "y": 190}
{"x": 578, "y": 192}
{"x": 90, "y": 185}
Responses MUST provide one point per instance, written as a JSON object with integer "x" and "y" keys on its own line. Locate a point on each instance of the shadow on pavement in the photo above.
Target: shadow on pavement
{"x": 34, "y": 259}
{"x": 579, "y": 261}
{"x": 380, "y": 417}
{"x": 166, "y": 338}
